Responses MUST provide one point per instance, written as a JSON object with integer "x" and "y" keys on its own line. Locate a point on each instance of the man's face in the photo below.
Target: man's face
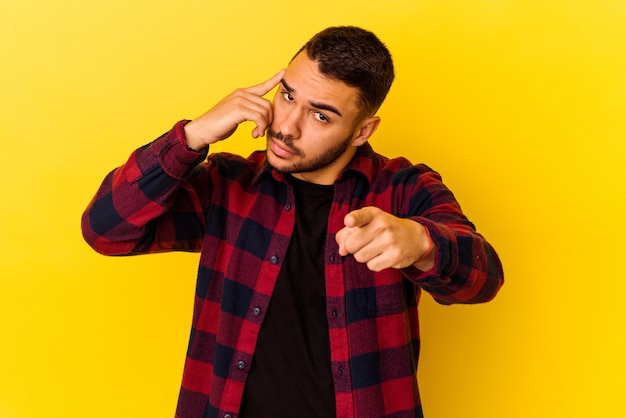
{"x": 316, "y": 122}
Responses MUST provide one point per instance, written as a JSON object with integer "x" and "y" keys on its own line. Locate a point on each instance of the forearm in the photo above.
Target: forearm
{"x": 464, "y": 269}
{"x": 129, "y": 213}
{"x": 462, "y": 266}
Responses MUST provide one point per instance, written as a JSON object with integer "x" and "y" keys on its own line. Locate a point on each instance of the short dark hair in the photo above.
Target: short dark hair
{"x": 358, "y": 58}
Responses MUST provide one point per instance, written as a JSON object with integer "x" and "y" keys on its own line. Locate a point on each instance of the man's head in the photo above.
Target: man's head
{"x": 356, "y": 57}
{"x": 326, "y": 102}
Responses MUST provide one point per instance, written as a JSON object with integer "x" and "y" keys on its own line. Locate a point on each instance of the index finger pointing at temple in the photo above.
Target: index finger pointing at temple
{"x": 265, "y": 87}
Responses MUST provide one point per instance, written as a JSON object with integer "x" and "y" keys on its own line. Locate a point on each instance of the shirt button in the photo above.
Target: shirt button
{"x": 256, "y": 311}
{"x": 228, "y": 416}
{"x": 288, "y": 207}
{"x": 335, "y": 314}
{"x": 241, "y": 364}
{"x": 274, "y": 260}
{"x": 332, "y": 258}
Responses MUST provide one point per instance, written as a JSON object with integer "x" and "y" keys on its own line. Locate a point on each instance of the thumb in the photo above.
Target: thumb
{"x": 360, "y": 217}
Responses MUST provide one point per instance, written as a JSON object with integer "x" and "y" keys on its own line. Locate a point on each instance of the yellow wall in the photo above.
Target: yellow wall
{"x": 521, "y": 105}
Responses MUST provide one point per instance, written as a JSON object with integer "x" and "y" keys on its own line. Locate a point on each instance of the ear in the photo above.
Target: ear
{"x": 365, "y": 129}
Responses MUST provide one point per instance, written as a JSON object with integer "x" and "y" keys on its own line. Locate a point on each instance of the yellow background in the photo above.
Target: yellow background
{"x": 520, "y": 105}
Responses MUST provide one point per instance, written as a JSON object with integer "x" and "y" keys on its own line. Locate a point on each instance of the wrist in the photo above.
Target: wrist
{"x": 193, "y": 141}
{"x": 427, "y": 260}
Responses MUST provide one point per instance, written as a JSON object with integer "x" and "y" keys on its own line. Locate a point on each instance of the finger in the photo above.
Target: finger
{"x": 341, "y": 237}
{"x": 360, "y": 217}
{"x": 376, "y": 265}
{"x": 379, "y": 255}
{"x": 261, "y": 114}
{"x": 262, "y": 125}
{"x": 368, "y": 252}
{"x": 354, "y": 240}
{"x": 265, "y": 87}
{"x": 245, "y": 106}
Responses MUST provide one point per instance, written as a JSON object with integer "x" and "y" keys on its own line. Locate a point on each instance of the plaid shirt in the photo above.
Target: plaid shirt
{"x": 240, "y": 214}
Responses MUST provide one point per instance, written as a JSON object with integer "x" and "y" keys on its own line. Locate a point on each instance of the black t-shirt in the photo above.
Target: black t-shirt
{"x": 290, "y": 374}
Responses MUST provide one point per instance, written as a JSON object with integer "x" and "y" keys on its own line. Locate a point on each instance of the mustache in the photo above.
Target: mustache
{"x": 287, "y": 140}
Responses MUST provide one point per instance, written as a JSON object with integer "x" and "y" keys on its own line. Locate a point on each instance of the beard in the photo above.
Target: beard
{"x": 305, "y": 164}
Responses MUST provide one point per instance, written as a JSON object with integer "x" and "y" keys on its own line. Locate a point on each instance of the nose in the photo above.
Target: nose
{"x": 287, "y": 121}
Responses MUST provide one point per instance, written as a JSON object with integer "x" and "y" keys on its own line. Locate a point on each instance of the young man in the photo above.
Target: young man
{"x": 313, "y": 252}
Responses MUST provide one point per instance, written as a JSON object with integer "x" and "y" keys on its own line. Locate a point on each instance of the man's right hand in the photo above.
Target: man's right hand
{"x": 223, "y": 119}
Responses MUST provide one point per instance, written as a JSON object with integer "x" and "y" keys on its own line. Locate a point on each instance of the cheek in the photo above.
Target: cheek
{"x": 318, "y": 141}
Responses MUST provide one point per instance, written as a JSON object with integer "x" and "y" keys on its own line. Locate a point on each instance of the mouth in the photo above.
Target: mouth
{"x": 281, "y": 149}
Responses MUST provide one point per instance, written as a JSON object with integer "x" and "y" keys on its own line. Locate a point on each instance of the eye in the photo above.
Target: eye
{"x": 320, "y": 117}
{"x": 287, "y": 96}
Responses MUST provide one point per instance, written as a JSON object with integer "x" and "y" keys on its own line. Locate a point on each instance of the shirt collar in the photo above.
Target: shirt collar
{"x": 264, "y": 169}
{"x": 365, "y": 162}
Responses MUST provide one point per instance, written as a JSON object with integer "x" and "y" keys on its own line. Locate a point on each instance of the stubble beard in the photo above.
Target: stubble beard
{"x": 305, "y": 165}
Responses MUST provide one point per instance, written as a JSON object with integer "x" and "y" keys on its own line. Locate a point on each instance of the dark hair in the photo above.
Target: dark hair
{"x": 356, "y": 57}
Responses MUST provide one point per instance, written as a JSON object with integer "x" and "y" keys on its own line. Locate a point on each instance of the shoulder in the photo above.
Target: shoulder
{"x": 400, "y": 170}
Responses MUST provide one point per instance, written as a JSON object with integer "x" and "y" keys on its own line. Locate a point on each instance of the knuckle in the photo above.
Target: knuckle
{"x": 236, "y": 94}
{"x": 396, "y": 254}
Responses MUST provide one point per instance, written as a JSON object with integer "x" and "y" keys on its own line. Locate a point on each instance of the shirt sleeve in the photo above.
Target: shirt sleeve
{"x": 467, "y": 268}
{"x": 149, "y": 204}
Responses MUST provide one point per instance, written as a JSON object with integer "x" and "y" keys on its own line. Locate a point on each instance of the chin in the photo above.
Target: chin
{"x": 278, "y": 163}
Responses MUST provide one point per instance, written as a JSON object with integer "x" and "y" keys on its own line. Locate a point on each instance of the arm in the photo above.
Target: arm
{"x": 152, "y": 203}
{"x": 152, "y": 185}
{"x": 435, "y": 245}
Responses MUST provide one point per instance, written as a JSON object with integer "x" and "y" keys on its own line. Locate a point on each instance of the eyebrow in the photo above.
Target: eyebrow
{"x": 317, "y": 105}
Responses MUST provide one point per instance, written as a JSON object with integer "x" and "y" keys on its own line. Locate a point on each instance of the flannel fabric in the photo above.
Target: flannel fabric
{"x": 240, "y": 214}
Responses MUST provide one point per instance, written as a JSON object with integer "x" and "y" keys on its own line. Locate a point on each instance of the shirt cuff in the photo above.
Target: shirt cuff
{"x": 176, "y": 158}
{"x": 436, "y": 273}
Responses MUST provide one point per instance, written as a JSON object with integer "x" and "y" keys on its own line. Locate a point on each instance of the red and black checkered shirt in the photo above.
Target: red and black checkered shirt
{"x": 240, "y": 214}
